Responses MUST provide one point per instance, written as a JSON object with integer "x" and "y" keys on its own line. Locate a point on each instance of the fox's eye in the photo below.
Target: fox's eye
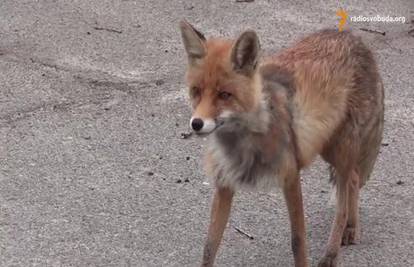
{"x": 194, "y": 91}
{"x": 224, "y": 95}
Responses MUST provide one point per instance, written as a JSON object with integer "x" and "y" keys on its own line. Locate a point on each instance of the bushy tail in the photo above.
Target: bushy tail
{"x": 370, "y": 148}
{"x": 368, "y": 157}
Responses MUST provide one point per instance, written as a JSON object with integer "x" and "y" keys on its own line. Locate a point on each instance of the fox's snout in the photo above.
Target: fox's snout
{"x": 202, "y": 125}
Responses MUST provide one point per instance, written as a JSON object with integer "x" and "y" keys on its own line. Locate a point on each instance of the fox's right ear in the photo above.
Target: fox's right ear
{"x": 194, "y": 42}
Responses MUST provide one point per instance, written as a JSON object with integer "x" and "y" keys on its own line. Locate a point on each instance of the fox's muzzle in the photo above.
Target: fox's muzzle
{"x": 202, "y": 125}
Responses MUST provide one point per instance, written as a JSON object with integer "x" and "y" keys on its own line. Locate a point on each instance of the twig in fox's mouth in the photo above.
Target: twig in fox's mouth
{"x": 191, "y": 133}
{"x": 218, "y": 124}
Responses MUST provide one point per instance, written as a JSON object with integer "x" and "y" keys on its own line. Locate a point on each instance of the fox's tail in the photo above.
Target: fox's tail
{"x": 369, "y": 152}
{"x": 369, "y": 149}
{"x": 371, "y": 144}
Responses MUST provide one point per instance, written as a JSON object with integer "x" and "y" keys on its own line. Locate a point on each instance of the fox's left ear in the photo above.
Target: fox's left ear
{"x": 245, "y": 53}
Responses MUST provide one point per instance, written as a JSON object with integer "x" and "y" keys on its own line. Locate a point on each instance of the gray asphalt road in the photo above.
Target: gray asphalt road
{"x": 93, "y": 171}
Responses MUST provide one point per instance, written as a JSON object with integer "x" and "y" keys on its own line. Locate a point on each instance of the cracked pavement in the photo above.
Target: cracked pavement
{"x": 93, "y": 169}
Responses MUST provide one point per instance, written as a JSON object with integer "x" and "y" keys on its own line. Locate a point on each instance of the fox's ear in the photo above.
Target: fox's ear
{"x": 245, "y": 53}
{"x": 193, "y": 41}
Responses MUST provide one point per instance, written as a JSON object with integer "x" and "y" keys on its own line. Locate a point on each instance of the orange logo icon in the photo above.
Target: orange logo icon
{"x": 343, "y": 15}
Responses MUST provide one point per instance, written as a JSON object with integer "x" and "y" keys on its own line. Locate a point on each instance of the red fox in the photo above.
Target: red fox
{"x": 270, "y": 117}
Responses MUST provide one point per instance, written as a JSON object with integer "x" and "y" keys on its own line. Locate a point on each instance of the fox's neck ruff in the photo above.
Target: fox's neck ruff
{"x": 251, "y": 149}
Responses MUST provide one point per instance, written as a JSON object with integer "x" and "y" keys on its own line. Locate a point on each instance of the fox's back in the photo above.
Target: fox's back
{"x": 335, "y": 79}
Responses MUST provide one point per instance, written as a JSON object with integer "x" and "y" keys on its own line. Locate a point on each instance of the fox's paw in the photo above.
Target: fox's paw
{"x": 351, "y": 235}
{"x": 328, "y": 261}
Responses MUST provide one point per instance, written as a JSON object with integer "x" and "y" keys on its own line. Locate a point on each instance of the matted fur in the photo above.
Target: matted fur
{"x": 321, "y": 96}
{"x": 255, "y": 149}
{"x": 320, "y": 102}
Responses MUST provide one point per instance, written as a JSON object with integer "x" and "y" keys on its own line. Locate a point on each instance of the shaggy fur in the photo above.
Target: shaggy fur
{"x": 322, "y": 96}
{"x": 250, "y": 149}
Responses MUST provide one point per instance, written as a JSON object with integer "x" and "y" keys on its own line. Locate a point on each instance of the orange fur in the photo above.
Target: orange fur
{"x": 322, "y": 96}
{"x": 214, "y": 74}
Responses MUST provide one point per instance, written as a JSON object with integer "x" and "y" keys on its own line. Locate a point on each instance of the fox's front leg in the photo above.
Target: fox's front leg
{"x": 293, "y": 196}
{"x": 220, "y": 212}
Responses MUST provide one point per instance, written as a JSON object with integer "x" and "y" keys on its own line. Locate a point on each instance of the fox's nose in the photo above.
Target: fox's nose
{"x": 197, "y": 124}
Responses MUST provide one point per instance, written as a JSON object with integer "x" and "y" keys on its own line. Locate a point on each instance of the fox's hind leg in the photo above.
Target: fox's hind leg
{"x": 352, "y": 229}
{"x": 342, "y": 154}
{"x": 330, "y": 256}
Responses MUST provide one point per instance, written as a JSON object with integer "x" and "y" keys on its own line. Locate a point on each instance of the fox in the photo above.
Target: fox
{"x": 269, "y": 117}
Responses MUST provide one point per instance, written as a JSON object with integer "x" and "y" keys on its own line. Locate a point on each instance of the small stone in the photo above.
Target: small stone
{"x": 186, "y": 135}
{"x": 159, "y": 82}
{"x": 399, "y": 182}
{"x": 88, "y": 33}
{"x": 150, "y": 173}
{"x": 179, "y": 181}
{"x": 186, "y": 180}
{"x": 385, "y": 144}
{"x": 187, "y": 158}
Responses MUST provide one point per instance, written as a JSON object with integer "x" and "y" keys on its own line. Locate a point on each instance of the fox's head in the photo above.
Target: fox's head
{"x": 222, "y": 76}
